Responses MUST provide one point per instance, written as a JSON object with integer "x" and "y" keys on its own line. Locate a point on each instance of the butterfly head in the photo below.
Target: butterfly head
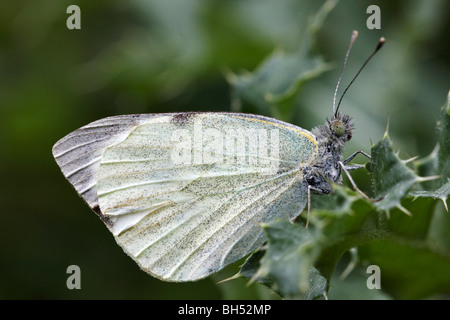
{"x": 331, "y": 138}
{"x": 335, "y": 132}
{"x": 340, "y": 128}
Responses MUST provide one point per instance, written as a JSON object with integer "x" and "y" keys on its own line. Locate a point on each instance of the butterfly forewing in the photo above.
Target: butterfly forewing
{"x": 79, "y": 153}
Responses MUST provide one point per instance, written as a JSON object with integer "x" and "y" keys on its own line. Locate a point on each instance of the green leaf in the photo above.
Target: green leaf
{"x": 437, "y": 162}
{"x": 288, "y": 260}
{"x": 392, "y": 179}
{"x": 441, "y": 193}
{"x": 415, "y": 258}
{"x": 444, "y": 142}
{"x": 251, "y": 266}
{"x": 349, "y": 281}
{"x": 272, "y": 88}
{"x": 428, "y": 166}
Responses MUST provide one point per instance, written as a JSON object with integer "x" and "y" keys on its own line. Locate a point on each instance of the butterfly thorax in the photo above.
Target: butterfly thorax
{"x": 331, "y": 138}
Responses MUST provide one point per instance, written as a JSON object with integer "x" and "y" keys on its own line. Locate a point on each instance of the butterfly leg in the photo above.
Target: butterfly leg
{"x": 354, "y": 167}
{"x": 345, "y": 169}
{"x": 309, "y": 206}
{"x": 354, "y": 155}
{"x": 309, "y": 203}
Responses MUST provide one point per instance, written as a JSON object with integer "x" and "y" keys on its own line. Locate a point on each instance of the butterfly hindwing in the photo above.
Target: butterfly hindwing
{"x": 184, "y": 194}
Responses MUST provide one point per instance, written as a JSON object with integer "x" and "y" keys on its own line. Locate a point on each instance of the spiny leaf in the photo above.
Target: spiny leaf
{"x": 251, "y": 266}
{"x": 289, "y": 258}
{"x": 272, "y": 95}
{"x": 437, "y": 163}
{"x": 272, "y": 87}
{"x": 444, "y": 142}
{"x": 441, "y": 193}
{"x": 391, "y": 177}
{"x": 428, "y": 166}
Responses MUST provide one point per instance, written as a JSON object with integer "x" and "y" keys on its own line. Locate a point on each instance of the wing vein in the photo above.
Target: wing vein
{"x": 223, "y": 225}
{"x": 230, "y": 234}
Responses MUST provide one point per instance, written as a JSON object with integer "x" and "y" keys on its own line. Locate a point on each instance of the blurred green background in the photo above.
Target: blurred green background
{"x": 176, "y": 55}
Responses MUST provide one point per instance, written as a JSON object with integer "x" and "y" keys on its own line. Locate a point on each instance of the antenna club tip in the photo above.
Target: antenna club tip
{"x": 354, "y": 33}
{"x": 380, "y": 43}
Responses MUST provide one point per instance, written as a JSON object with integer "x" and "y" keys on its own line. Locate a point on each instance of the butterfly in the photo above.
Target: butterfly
{"x": 184, "y": 194}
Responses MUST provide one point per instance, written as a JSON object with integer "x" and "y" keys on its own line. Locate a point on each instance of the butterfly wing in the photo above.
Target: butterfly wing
{"x": 79, "y": 153}
{"x": 185, "y": 194}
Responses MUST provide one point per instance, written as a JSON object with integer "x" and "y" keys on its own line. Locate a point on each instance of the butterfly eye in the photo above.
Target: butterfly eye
{"x": 349, "y": 135}
{"x": 338, "y": 128}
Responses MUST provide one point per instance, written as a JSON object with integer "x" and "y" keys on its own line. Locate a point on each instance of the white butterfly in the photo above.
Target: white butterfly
{"x": 184, "y": 194}
{"x": 183, "y": 220}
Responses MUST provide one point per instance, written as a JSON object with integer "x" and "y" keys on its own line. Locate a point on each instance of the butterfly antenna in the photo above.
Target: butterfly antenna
{"x": 379, "y": 45}
{"x": 354, "y": 35}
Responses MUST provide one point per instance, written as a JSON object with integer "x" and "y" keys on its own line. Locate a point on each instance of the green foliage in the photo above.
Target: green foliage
{"x": 437, "y": 162}
{"x": 273, "y": 86}
{"x": 412, "y": 249}
{"x": 391, "y": 177}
